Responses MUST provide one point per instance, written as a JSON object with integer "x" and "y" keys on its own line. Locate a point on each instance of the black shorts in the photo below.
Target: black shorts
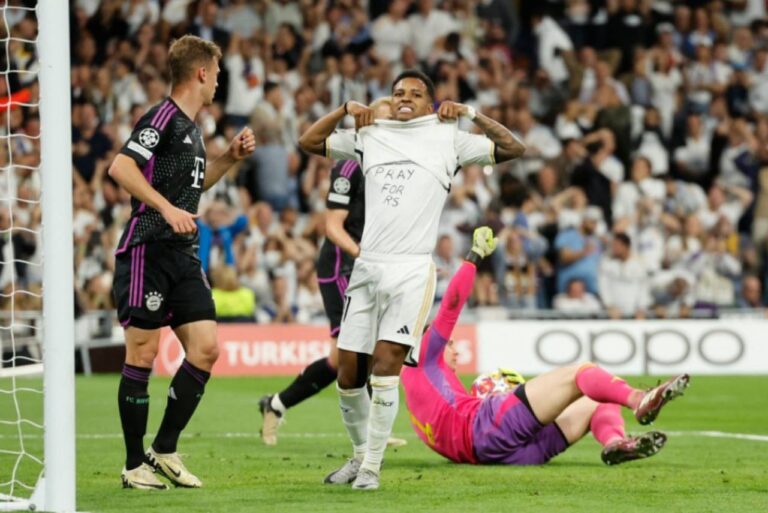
{"x": 333, "y": 270}
{"x": 158, "y": 284}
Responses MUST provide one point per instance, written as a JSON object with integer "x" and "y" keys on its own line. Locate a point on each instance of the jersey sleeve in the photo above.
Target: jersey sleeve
{"x": 341, "y": 145}
{"x": 474, "y": 149}
{"x": 148, "y": 136}
{"x": 345, "y": 178}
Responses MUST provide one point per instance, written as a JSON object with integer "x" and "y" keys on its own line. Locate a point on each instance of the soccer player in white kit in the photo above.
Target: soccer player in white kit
{"x": 408, "y": 163}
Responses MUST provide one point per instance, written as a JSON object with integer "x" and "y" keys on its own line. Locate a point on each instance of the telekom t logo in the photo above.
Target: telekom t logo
{"x": 198, "y": 174}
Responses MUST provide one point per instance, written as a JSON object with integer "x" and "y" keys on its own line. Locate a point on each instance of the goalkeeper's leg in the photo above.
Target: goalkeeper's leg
{"x": 607, "y": 426}
{"x": 550, "y": 393}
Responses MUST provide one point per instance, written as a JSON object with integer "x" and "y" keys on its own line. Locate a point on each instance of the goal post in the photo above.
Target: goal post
{"x": 58, "y": 262}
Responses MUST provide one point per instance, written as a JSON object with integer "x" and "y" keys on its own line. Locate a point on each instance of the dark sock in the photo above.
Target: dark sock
{"x": 133, "y": 403}
{"x": 184, "y": 394}
{"x": 315, "y": 377}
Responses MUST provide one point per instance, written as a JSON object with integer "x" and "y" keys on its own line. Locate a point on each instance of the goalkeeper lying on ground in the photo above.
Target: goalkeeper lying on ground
{"x": 536, "y": 420}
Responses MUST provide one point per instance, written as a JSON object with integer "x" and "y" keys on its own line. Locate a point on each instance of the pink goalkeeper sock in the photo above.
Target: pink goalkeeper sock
{"x": 607, "y": 424}
{"x": 603, "y": 387}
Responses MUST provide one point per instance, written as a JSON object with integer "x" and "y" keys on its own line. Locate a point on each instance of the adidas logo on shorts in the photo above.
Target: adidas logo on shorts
{"x": 404, "y": 331}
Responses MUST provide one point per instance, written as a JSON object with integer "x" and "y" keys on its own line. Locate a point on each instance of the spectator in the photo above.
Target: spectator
{"x": 579, "y": 253}
{"x": 205, "y": 24}
{"x": 446, "y": 264}
{"x": 234, "y": 303}
{"x": 624, "y": 286}
{"x": 273, "y": 111}
{"x": 309, "y": 301}
{"x": 552, "y": 43}
{"x": 724, "y": 202}
{"x": 266, "y": 173}
{"x": 643, "y": 185}
{"x": 347, "y": 84}
{"x": 428, "y": 27}
{"x": 692, "y": 159}
{"x": 751, "y": 296}
{"x": 715, "y": 270}
{"x": 672, "y": 295}
{"x": 89, "y": 144}
{"x": 595, "y": 184}
{"x": 246, "y": 74}
{"x": 282, "y": 12}
{"x": 217, "y": 232}
{"x": 391, "y": 32}
{"x": 240, "y": 19}
{"x": 520, "y": 275}
{"x": 576, "y": 301}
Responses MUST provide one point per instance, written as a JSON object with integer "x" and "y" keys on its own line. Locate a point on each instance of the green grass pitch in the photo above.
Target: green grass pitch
{"x": 694, "y": 473}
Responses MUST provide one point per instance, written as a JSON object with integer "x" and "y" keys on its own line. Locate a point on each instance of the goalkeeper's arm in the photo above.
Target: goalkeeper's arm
{"x": 462, "y": 283}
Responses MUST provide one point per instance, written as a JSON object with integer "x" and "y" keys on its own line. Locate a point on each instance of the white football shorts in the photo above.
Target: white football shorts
{"x": 388, "y": 298}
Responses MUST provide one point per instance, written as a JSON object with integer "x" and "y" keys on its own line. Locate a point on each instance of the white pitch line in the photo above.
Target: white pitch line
{"x": 108, "y": 436}
{"x": 721, "y": 434}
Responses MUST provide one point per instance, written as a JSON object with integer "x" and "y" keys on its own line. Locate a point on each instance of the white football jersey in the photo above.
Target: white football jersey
{"x": 408, "y": 168}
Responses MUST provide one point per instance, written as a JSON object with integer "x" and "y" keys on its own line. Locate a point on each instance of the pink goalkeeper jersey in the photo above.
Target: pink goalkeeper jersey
{"x": 442, "y": 411}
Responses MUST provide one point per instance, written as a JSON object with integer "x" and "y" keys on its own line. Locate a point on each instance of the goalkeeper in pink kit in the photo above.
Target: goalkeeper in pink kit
{"x": 538, "y": 419}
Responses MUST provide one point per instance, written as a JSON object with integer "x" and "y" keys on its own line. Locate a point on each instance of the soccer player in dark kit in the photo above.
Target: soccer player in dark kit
{"x": 345, "y": 218}
{"x": 158, "y": 277}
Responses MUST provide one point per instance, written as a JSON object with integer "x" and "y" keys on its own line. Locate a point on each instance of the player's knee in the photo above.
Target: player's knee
{"x": 141, "y": 355}
{"x": 210, "y": 352}
{"x": 575, "y": 369}
{"x": 388, "y": 365}
{"x": 348, "y": 380}
{"x": 388, "y": 359}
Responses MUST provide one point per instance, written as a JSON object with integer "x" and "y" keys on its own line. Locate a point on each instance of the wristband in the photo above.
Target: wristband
{"x": 471, "y": 113}
{"x": 473, "y": 258}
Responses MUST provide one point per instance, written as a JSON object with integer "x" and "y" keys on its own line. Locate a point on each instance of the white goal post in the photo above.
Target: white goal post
{"x": 58, "y": 262}
{"x": 55, "y": 490}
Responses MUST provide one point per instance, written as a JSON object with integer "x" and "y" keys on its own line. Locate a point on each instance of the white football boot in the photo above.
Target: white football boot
{"x": 366, "y": 480}
{"x": 170, "y": 466}
{"x": 344, "y": 475}
{"x": 142, "y": 478}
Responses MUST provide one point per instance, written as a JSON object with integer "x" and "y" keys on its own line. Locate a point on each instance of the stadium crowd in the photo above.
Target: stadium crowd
{"x": 643, "y": 191}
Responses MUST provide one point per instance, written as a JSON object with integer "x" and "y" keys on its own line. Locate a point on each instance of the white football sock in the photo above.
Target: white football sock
{"x": 277, "y": 404}
{"x": 355, "y": 408}
{"x": 384, "y": 404}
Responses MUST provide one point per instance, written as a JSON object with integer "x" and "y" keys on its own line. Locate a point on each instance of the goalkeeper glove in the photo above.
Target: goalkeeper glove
{"x": 512, "y": 377}
{"x": 483, "y": 241}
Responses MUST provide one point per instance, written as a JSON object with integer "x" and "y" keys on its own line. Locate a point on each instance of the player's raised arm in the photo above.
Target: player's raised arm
{"x": 240, "y": 147}
{"x": 460, "y": 286}
{"x": 507, "y": 145}
{"x": 314, "y": 140}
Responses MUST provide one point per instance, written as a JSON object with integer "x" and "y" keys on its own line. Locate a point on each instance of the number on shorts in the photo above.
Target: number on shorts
{"x": 346, "y": 307}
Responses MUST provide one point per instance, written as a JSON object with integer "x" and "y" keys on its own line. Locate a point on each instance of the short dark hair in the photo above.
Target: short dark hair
{"x": 623, "y": 238}
{"x": 419, "y": 75}
{"x": 269, "y": 86}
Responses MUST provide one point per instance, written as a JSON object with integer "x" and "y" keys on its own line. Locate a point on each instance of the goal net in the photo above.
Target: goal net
{"x": 36, "y": 282}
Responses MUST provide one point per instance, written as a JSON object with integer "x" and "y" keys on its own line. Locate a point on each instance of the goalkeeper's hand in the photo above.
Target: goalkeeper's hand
{"x": 511, "y": 376}
{"x": 483, "y": 241}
